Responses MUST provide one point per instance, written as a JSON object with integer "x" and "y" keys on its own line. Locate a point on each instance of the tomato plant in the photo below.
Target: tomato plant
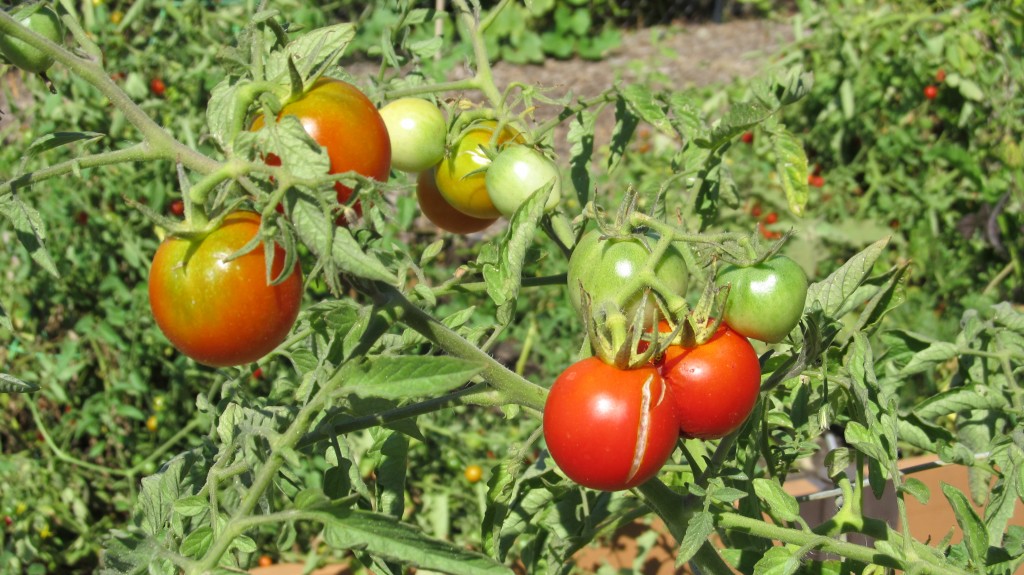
{"x": 516, "y": 173}
{"x": 765, "y": 300}
{"x": 460, "y": 176}
{"x": 44, "y": 22}
{"x": 608, "y": 428}
{"x": 346, "y": 123}
{"x": 416, "y": 130}
{"x": 714, "y": 385}
{"x": 219, "y": 312}
{"x": 440, "y": 212}
{"x": 617, "y": 271}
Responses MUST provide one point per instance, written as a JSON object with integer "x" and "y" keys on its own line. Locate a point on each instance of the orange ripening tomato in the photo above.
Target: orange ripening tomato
{"x": 346, "y": 123}
{"x": 440, "y": 212}
{"x": 222, "y": 313}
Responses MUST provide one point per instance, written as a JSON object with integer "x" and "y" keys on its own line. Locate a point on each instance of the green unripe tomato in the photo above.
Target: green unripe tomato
{"x": 608, "y": 270}
{"x": 765, "y": 300}
{"x": 516, "y": 173}
{"x": 44, "y": 22}
{"x": 417, "y": 131}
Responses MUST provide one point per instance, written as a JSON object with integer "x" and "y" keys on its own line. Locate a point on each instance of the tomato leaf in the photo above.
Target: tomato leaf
{"x": 197, "y": 542}
{"x": 314, "y": 52}
{"x": 959, "y": 399}
{"x": 581, "y": 138}
{"x": 778, "y": 561}
{"x": 58, "y": 139}
{"x": 975, "y": 535}
{"x": 386, "y": 537}
{"x": 791, "y": 166}
{"x": 29, "y": 229}
{"x": 780, "y": 504}
{"x": 831, "y": 295}
{"x": 407, "y": 376}
{"x": 917, "y": 489}
{"x": 626, "y": 122}
{"x": 701, "y": 526}
{"x": 11, "y": 384}
{"x": 337, "y": 244}
{"x": 392, "y": 473}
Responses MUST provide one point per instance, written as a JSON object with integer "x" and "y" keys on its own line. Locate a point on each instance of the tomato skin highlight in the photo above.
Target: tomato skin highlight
{"x": 766, "y": 300}
{"x": 594, "y": 424}
{"x": 346, "y": 123}
{"x": 464, "y": 192}
{"x": 222, "y": 313}
{"x": 440, "y": 212}
{"x": 714, "y": 385}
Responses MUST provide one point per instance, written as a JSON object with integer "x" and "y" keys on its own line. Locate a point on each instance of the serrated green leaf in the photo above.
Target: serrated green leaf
{"x": 198, "y": 542}
{"x": 791, "y": 166}
{"x": 311, "y": 498}
{"x": 391, "y": 476}
{"x": 831, "y": 294}
{"x": 409, "y": 376}
{"x": 11, "y": 384}
{"x": 388, "y": 538}
{"x": 701, "y": 526}
{"x": 313, "y": 52}
{"x": 191, "y": 506}
{"x": 778, "y": 561}
{"x": 917, "y": 489}
{"x": 58, "y": 139}
{"x": 29, "y": 229}
{"x": 934, "y": 354}
{"x": 865, "y": 441}
{"x": 975, "y": 535}
{"x": 781, "y": 504}
{"x": 244, "y": 544}
{"x": 959, "y": 399}
{"x": 224, "y": 113}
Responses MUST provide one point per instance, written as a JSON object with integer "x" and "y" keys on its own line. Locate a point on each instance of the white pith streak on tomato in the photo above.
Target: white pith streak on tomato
{"x": 644, "y": 425}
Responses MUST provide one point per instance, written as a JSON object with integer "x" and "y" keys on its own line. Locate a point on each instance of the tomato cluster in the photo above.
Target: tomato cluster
{"x": 480, "y": 178}
{"x": 610, "y": 428}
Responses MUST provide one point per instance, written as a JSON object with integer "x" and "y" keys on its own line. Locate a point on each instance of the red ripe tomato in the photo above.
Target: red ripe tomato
{"x": 771, "y": 218}
{"x": 931, "y": 92}
{"x": 747, "y": 137}
{"x": 940, "y": 76}
{"x": 609, "y": 428}
{"x": 222, "y": 313}
{"x": 458, "y": 177}
{"x": 714, "y": 385}
{"x": 157, "y": 86}
{"x": 344, "y": 121}
{"x": 440, "y": 212}
{"x": 756, "y": 210}
{"x": 177, "y": 208}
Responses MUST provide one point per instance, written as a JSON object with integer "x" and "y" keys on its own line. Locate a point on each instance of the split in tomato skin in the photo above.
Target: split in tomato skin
{"x": 346, "y": 123}
{"x": 609, "y": 428}
{"x": 714, "y": 385}
{"x": 222, "y": 313}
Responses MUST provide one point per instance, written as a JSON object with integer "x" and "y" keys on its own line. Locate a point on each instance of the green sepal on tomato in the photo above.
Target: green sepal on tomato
{"x": 347, "y": 125}
{"x": 609, "y": 428}
{"x": 43, "y": 21}
{"x": 218, "y": 312}
{"x": 766, "y": 300}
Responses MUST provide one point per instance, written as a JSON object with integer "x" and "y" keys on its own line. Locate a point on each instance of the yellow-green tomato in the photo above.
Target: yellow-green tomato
{"x": 417, "y": 131}
{"x": 516, "y": 173}
{"x": 460, "y": 176}
{"x": 44, "y": 22}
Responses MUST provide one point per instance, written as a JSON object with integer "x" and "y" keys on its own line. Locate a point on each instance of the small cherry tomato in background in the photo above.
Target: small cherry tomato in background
{"x": 346, "y": 123}
{"x": 765, "y": 300}
{"x": 756, "y": 210}
{"x": 747, "y": 137}
{"x": 440, "y": 212}
{"x": 714, "y": 385}
{"x": 265, "y": 561}
{"x": 152, "y": 424}
{"x": 766, "y": 233}
{"x": 771, "y": 218}
{"x": 940, "y": 76}
{"x": 931, "y": 92}
{"x": 157, "y": 86}
{"x": 258, "y": 374}
{"x": 416, "y": 129}
{"x": 609, "y": 428}
{"x": 177, "y": 208}
{"x": 464, "y": 192}
{"x": 473, "y": 473}
{"x": 223, "y": 313}
{"x": 816, "y": 181}
{"x": 516, "y": 173}
{"x": 44, "y": 22}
